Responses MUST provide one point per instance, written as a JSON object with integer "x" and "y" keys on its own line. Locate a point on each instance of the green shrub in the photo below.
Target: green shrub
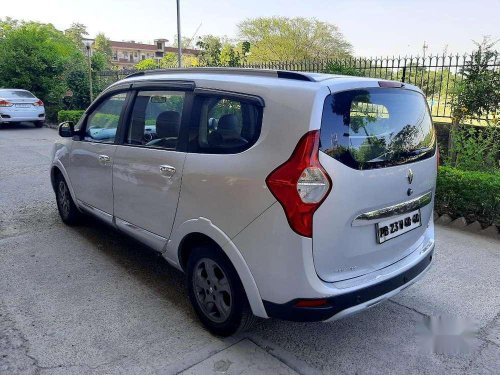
{"x": 473, "y": 195}
{"x": 475, "y": 148}
{"x": 71, "y": 115}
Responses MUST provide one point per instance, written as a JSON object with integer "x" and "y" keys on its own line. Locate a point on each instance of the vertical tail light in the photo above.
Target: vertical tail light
{"x": 301, "y": 184}
{"x": 5, "y": 103}
{"x": 38, "y": 103}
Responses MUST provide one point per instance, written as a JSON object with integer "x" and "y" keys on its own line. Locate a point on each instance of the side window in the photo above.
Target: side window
{"x": 156, "y": 119}
{"x": 225, "y": 126}
{"x": 103, "y": 121}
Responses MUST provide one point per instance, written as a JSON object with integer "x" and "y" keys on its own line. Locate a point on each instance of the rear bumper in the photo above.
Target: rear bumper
{"x": 349, "y": 303}
{"x": 12, "y": 116}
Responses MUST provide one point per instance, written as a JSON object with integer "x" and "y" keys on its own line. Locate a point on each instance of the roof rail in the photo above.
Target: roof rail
{"x": 300, "y": 76}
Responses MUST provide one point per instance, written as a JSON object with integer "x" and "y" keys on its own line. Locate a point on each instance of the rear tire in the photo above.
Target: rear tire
{"x": 39, "y": 124}
{"x": 68, "y": 211}
{"x": 216, "y": 293}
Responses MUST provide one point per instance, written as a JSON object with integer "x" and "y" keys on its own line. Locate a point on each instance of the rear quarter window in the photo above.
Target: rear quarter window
{"x": 224, "y": 125}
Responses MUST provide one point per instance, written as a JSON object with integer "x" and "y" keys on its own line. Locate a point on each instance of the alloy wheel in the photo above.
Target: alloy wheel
{"x": 64, "y": 198}
{"x": 212, "y": 290}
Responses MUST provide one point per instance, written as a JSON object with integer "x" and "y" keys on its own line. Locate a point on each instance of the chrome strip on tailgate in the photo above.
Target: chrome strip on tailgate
{"x": 397, "y": 209}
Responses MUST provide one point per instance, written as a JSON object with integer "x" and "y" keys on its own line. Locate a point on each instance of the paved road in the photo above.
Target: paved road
{"x": 89, "y": 300}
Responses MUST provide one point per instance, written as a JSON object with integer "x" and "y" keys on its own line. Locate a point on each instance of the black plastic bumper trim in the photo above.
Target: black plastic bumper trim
{"x": 288, "y": 310}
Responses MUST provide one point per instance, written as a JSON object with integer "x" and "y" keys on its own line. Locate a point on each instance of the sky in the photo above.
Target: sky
{"x": 373, "y": 27}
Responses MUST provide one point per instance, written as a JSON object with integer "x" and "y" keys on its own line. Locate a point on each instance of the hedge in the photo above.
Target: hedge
{"x": 473, "y": 195}
{"x": 73, "y": 115}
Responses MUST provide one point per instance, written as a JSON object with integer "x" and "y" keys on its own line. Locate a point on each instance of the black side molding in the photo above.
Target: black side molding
{"x": 288, "y": 311}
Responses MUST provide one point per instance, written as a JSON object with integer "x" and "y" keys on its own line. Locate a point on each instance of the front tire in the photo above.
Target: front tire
{"x": 38, "y": 124}
{"x": 68, "y": 211}
{"x": 216, "y": 293}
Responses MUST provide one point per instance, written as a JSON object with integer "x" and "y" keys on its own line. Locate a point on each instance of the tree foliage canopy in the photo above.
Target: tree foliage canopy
{"x": 103, "y": 45}
{"x": 35, "y": 57}
{"x": 477, "y": 96}
{"x": 281, "y": 38}
{"x": 211, "y": 47}
{"x": 77, "y": 32}
{"x": 216, "y": 51}
{"x": 50, "y": 63}
{"x": 146, "y": 64}
{"x": 478, "y": 93}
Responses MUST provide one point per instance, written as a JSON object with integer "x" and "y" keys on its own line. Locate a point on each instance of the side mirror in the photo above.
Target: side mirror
{"x": 66, "y": 129}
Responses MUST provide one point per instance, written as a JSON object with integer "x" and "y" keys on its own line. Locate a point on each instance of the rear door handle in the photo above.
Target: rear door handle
{"x": 104, "y": 159}
{"x": 167, "y": 170}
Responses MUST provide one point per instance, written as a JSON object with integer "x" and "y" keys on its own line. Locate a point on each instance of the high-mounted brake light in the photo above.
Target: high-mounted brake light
{"x": 5, "y": 103}
{"x": 301, "y": 184}
{"x": 391, "y": 84}
{"x": 38, "y": 103}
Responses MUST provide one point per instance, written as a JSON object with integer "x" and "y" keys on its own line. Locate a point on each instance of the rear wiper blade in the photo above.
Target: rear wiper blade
{"x": 388, "y": 155}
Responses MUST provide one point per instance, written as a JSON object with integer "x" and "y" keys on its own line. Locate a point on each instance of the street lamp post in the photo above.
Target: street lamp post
{"x": 179, "y": 48}
{"x": 88, "y": 43}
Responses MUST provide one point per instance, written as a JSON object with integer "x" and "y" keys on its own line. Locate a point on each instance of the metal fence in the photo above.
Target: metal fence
{"x": 437, "y": 76}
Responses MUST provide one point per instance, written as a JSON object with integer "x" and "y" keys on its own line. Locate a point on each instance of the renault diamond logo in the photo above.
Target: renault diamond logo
{"x": 410, "y": 176}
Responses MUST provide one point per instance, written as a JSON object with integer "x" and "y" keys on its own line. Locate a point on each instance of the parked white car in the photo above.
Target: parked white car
{"x": 21, "y": 106}
{"x": 297, "y": 196}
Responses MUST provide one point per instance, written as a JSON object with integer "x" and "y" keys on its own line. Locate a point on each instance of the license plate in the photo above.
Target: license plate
{"x": 23, "y": 105}
{"x": 398, "y": 225}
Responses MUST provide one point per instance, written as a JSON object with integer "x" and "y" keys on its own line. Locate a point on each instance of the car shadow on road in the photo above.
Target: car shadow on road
{"x": 144, "y": 264}
{"x": 18, "y": 126}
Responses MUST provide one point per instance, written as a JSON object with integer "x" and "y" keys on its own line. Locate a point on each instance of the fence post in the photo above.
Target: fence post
{"x": 404, "y": 74}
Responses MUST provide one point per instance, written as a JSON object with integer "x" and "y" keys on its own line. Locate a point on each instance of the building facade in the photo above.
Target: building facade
{"x": 126, "y": 54}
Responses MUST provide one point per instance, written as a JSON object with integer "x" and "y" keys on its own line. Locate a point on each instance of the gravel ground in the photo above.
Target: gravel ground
{"x": 89, "y": 300}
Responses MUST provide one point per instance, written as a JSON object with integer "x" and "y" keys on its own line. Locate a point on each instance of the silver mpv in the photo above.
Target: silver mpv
{"x": 297, "y": 196}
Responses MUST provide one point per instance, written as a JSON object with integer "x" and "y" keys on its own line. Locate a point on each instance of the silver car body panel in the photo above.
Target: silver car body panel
{"x": 91, "y": 177}
{"x": 143, "y": 195}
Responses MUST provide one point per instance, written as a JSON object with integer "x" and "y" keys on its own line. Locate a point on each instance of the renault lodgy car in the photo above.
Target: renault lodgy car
{"x": 297, "y": 196}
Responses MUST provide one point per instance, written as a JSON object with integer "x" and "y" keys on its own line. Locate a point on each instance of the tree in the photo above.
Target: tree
{"x": 103, "y": 44}
{"x": 282, "y": 39}
{"x": 211, "y": 47}
{"x": 190, "y": 61}
{"x": 6, "y": 25}
{"x": 477, "y": 97}
{"x": 216, "y": 51}
{"x": 35, "y": 57}
{"x": 337, "y": 68}
{"x": 229, "y": 56}
{"x": 77, "y": 32}
{"x": 169, "y": 60}
{"x": 77, "y": 81}
{"x": 147, "y": 64}
{"x": 478, "y": 93}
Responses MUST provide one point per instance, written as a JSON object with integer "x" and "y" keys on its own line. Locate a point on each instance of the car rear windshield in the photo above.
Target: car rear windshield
{"x": 16, "y": 94}
{"x": 377, "y": 127}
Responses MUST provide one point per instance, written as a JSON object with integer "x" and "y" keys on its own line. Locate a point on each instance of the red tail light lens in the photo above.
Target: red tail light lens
{"x": 38, "y": 103}
{"x": 301, "y": 184}
{"x": 5, "y": 103}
